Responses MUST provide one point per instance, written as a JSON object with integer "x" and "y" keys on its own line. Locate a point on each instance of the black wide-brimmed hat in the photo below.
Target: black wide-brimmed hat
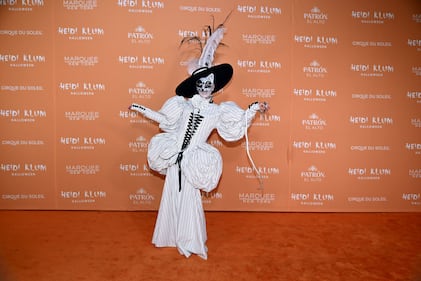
{"x": 223, "y": 74}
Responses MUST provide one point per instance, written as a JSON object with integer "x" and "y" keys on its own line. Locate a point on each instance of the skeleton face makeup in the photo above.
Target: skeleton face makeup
{"x": 205, "y": 86}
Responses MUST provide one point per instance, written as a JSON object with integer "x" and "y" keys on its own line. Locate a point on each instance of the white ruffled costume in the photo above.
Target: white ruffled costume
{"x": 181, "y": 218}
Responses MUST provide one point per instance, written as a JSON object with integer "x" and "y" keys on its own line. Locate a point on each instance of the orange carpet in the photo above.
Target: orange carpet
{"x": 116, "y": 246}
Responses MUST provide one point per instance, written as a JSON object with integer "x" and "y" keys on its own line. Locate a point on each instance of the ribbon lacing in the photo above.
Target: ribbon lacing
{"x": 194, "y": 121}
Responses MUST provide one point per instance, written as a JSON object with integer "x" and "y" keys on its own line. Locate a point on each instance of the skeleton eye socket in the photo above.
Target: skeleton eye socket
{"x": 199, "y": 83}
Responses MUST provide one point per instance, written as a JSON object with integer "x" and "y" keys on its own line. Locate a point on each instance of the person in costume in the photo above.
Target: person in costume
{"x": 182, "y": 154}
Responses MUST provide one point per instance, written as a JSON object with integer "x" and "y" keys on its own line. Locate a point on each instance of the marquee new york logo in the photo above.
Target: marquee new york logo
{"x": 83, "y": 5}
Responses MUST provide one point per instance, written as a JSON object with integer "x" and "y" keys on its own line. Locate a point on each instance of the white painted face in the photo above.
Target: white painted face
{"x": 205, "y": 86}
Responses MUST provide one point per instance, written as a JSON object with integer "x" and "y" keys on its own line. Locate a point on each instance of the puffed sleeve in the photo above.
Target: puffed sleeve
{"x": 169, "y": 114}
{"x": 233, "y": 120}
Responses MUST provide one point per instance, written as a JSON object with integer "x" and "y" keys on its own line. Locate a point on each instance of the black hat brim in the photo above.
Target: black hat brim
{"x": 223, "y": 74}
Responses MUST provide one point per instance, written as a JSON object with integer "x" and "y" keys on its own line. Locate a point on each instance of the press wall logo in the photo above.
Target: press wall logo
{"x": 82, "y": 142}
{"x": 316, "y": 42}
{"x": 23, "y": 115}
{"x": 21, "y": 32}
{"x": 81, "y": 115}
{"x": 372, "y": 173}
{"x": 17, "y": 142}
{"x": 371, "y": 44}
{"x": 312, "y": 174}
{"x": 200, "y": 9}
{"x": 81, "y": 61}
{"x": 315, "y": 147}
{"x": 140, "y": 36}
{"x": 31, "y": 196}
{"x": 83, "y": 5}
{"x": 22, "y": 88}
{"x": 373, "y": 70}
{"x": 413, "y": 198}
{"x": 416, "y": 122}
{"x": 315, "y": 70}
{"x": 314, "y": 122}
{"x": 84, "y": 33}
{"x": 259, "y": 12}
{"x": 371, "y": 96}
{"x": 259, "y": 92}
{"x": 315, "y": 16}
{"x": 23, "y": 169}
{"x": 312, "y": 199}
{"x": 83, "y": 169}
{"x": 265, "y": 172}
{"x": 414, "y": 96}
{"x": 373, "y": 17}
{"x": 416, "y": 70}
{"x": 259, "y": 145}
{"x": 259, "y": 39}
{"x": 141, "y": 6}
{"x": 141, "y": 91}
{"x": 413, "y": 147}
{"x": 415, "y": 43}
{"x": 415, "y": 173}
{"x": 208, "y": 197}
{"x": 265, "y": 120}
{"x": 83, "y": 196}
{"x": 185, "y": 33}
{"x": 363, "y": 148}
{"x": 143, "y": 62}
{"x": 371, "y": 122}
{"x": 140, "y": 144}
{"x": 416, "y": 18}
{"x": 315, "y": 95}
{"x": 370, "y": 199}
{"x": 141, "y": 197}
{"x": 256, "y": 198}
{"x": 133, "y": 117}
{"x": 135, "y": 170}
{"x": 82, "y": 88}
{"x": 22, "y": 6}
{"x": 262, "y": 66}
{"x": 216, "y": 143}
{"x": 22, "y": 60}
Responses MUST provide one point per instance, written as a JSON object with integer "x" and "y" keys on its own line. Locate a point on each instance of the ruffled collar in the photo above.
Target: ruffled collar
{"x": 199, "y": 102}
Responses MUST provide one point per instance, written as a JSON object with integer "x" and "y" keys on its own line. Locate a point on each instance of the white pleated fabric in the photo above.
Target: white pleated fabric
{"x": 181, "y": 218}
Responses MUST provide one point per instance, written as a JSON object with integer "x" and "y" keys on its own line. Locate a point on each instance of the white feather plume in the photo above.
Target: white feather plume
{"x": 208, "y": 53}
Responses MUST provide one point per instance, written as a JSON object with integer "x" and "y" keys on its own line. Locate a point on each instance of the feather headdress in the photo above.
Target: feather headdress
{"x": 203, "y": 66}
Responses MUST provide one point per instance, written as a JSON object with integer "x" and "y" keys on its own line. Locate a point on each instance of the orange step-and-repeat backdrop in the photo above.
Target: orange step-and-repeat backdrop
{"x": 343, "y": 80}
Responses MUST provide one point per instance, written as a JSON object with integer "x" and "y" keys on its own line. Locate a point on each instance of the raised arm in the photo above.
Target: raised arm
{"x": 148, "y": 113}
